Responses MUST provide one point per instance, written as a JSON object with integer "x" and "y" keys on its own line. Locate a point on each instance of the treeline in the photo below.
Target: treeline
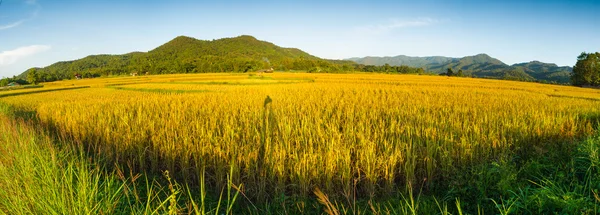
{"x": 5, "y": 81}
{"x": 450, "y": 72}
{"x": 386, "y": 68}
{"x": 90, "y": 67}
{"x": 105, "y": 65}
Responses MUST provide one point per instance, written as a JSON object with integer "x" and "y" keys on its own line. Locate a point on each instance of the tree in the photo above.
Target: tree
{"x": 4, "y": 82}
{"x": 450, "y": 72}
{"x": 586, "y": 71}
{"x": 386, "y": 67}
{"x": 460, "y": 73}
{"x": 33, "y": 76}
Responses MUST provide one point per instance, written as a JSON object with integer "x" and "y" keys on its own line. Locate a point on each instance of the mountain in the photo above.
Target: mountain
{"x": 402, "y": 60}
{"x": 243, "y": 48}
{"x": 481, "y": 65}
{"x": 189, "y": 55}
{"x": 546, "y": 71}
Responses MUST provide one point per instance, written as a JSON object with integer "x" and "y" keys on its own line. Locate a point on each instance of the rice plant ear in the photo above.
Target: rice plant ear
{"x": 330, "y": 208}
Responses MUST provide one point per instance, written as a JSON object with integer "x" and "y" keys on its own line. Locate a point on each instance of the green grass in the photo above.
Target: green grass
{"x": 40, "y": 91}
{"x": 41, "y": 175}
{"x": 38, "y": 178}
{"x": 150, "y": 90}
{"x": 240, "y": 83}
{"x": 8, "y": 88}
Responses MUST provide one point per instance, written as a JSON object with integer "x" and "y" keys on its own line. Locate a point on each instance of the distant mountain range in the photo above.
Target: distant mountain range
{"x": 481, "y": 65}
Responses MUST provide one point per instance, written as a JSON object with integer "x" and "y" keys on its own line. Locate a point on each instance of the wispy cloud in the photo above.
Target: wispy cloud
{"x": 31, "y": 3}
{"x": 12, "y": 25}
{"x": 395, "y": 24}
{"x": 12, "y": 56}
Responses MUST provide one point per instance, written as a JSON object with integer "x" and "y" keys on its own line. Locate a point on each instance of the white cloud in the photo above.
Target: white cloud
{"x": 397, "y": 24}
{"x": 12, "y": 56}
{"x": 32, "y": 3}
{"x": 12, "y": 25}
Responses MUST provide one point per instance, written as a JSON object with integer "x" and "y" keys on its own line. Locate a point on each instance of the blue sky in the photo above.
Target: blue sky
{"x": 37, "y": 33}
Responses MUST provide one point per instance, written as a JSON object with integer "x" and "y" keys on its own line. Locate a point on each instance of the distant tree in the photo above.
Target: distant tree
{"x": 386, "y": 67}
{"x": 33, "y": 76}
{"x": 4, "y": 82}
{"x": 460, "y": 73}
{"x": 450, "y": 72}
{"x": 587, "y": 70}
{"x": 314, "y": 69}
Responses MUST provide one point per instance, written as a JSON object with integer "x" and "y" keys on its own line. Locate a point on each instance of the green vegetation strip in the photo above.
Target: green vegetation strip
{"x": 152, "y": 90}
{"x": 125, "y": 83}
{"x": 573, "y": 97}
{"x": 40, "y": 174}
{"x": 20, "y": 87}
{"x": 42, "y": 91}
{"x": 240, "y": 83}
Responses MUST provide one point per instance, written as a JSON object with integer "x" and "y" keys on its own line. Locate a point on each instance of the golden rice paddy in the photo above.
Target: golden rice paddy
{"x": 292, "y": 132}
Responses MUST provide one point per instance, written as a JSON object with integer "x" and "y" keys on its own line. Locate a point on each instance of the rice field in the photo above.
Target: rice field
{"x": 367, "y": 135}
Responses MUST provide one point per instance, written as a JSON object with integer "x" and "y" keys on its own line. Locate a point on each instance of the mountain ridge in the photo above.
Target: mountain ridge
{"x": 480, "y": 65}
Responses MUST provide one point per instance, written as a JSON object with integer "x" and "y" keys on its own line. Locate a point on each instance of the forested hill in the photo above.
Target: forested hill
{"x": 480, "y": 65}
{"x": 188, "y": 55}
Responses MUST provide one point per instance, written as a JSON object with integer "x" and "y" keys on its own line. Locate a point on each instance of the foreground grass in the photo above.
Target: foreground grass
{"x": 39, "y": 175}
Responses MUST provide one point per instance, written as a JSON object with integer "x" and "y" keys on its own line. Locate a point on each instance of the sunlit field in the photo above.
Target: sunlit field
{"x": 348, "y": 135}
